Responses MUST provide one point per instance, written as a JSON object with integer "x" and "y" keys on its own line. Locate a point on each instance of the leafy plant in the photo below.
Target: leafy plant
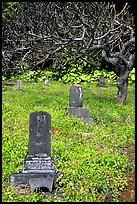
{"x": 35, "y": 76}
{"x": 91, "y": 159}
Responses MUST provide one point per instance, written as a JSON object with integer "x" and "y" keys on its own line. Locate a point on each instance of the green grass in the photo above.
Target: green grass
{"x": 91, "y": 165}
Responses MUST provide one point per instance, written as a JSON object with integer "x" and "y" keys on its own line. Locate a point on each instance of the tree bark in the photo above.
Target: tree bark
{"x": 122, "y": 88}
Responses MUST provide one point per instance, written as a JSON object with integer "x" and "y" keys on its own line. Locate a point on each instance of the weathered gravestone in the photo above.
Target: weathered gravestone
{"x": 102, "y": 81}
{"x": 76, "y": 103}
{"x": 111, "y": 83}
{"x": 38, "y": 168}
{"x": 46, "y": 82}
{"x": 19, "y": 85}
{"x": 75, "y": 99}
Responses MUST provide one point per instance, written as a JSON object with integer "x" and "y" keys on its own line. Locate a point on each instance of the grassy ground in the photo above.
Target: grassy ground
{"x": 93, "y": 166}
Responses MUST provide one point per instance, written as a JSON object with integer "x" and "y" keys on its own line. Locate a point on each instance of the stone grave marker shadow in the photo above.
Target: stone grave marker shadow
{"x": 38, "y": 168}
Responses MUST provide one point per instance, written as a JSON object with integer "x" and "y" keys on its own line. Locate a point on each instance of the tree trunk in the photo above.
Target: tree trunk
{"x": 122, "y": 88}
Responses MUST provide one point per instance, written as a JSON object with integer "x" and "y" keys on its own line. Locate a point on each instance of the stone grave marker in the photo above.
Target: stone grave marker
{"x": 39, "y": 133}
{"x": 76, "y": 95}
{"x": 102, "y": 81}
{"x": 19, "y": 85}
{"x": 46, "y": 82}
{"x": 111, "y": 83}
{"x": 76, "y": 103}
{"x": 38, "y": 167}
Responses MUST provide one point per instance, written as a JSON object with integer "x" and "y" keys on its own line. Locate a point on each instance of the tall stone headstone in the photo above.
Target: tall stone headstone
{"x": 102, "y": 81}
{"x": 76, "y": 103}
{"x": 38, "y": 167}
{"x": 19, "y": 85}
{"x": 39, "y": 133}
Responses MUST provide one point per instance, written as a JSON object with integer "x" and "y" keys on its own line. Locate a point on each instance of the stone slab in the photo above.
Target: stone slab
{"x": 88, "y": 120}
{"x": 78, "y": 112}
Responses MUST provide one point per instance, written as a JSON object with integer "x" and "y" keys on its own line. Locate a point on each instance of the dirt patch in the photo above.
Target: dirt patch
{"x": 129, "y": 194}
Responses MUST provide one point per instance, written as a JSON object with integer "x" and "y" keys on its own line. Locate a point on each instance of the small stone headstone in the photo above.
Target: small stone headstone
{"x": 46, "y": 82}
{"x": 76, "y": 103}
{"x": 111, "y": 82}
{"x": 38, "y": 168}
{"x": 19, "y": 85}
{"x": 102, "y": 81}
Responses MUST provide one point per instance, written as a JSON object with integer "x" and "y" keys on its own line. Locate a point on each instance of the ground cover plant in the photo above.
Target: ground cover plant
{"x": 92, "y": 166}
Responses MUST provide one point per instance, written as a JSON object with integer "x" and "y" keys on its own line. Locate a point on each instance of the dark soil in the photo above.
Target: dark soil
{"x": 129, "y": 194}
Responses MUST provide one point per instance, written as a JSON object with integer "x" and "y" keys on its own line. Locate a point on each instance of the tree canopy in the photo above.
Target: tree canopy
{"x": 102, "y": 31}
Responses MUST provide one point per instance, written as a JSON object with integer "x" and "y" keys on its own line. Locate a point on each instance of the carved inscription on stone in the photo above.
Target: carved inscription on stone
{"x": 39, "y": 141}
{"x": 39, "y": 164}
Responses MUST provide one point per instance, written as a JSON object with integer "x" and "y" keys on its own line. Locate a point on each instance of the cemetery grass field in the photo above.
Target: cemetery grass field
{"x": 93, "y": 167}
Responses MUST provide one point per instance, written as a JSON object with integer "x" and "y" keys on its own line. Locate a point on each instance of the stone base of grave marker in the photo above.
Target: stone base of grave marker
{"x": 37, "y": 172}
{"x": 102, "y": 85}
{"x": 79, "y": 112}
{"x": 82, "y": 113}
{"x": 34, "y": 180}
{"x": 88, "y": 120}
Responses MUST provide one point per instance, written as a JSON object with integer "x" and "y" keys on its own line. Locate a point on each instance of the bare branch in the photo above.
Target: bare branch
{"x": 47, "y": 29}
